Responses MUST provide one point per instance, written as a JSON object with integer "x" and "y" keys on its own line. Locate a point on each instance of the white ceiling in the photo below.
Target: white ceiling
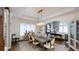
{"x": 31, "y": 12}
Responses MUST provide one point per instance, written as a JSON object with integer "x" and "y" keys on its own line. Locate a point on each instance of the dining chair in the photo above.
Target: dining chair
{"x": 50, "y": 45}
{"x": 30, "y": 38}
{"x": 34, "y": 41}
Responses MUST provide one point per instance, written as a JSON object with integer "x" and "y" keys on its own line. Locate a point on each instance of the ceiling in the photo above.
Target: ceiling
{"x": 30, "y": 13}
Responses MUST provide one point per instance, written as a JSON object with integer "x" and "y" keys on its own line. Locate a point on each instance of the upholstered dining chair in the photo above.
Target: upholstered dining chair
{"x": 30, "y": 38}
{"x": 50, "y": 45}
{"x": 34, "y": 41}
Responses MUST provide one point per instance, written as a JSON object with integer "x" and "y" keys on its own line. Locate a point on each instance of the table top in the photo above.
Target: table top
{"x": 43, "y": 40}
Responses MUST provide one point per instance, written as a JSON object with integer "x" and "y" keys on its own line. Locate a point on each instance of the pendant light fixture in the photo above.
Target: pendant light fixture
{"x": 40, "y": 17}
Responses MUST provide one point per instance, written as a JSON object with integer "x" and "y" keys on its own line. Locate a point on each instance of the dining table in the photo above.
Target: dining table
{"x": 43, "y": 40}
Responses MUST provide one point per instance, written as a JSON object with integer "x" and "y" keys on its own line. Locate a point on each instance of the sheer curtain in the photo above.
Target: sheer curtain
{"x": 26, "y": 27}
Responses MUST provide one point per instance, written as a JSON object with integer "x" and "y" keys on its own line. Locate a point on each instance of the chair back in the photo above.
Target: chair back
{"x": 33, "y": 39}
{"x": 29, "y": 36}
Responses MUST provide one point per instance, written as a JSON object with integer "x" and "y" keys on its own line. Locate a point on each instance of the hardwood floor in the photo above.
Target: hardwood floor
{"x": 25, "y": 46}
{"x": 61, "y": 46}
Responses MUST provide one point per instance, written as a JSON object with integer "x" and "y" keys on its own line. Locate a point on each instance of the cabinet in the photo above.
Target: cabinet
{"x": 74, "y": 34}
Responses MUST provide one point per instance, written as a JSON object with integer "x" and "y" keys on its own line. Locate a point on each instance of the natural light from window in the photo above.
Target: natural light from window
{"x": 26, "y": 27}
{"x": 63, "y": 27}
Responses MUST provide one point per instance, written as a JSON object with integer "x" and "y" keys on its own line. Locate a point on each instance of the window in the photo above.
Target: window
{"x": 26, "y": 27}
{"x": 48, "y": 28}
{"x": 63, "y": 27}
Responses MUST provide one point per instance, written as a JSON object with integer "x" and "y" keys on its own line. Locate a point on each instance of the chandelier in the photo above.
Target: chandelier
{"x": 40, "y": 17}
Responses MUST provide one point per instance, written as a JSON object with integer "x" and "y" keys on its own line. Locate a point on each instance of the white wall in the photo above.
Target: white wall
{"x": 15, "y": 25}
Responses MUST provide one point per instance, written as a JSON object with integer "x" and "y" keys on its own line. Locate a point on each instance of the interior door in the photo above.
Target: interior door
{"x": 1, "y": 33}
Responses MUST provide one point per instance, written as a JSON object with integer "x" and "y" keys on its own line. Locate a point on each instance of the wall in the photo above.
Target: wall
{"x": 15, "y": 26}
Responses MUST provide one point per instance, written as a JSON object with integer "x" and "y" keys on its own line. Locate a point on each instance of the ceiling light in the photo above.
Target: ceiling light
{"x": 40, "y": 24}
